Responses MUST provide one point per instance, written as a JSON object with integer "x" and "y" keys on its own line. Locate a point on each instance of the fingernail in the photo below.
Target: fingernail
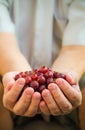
{"x": 46, "y": 93}
{"x": 59, "y": 82}
{"x": 52, "y": 87}
{"x": 73, "y": 79}
{"x": 21, "y": 83}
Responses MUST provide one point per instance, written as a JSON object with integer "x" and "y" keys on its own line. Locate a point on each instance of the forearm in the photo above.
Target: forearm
{"x": 71, "y": 58}
{"x": 11, "y": 58}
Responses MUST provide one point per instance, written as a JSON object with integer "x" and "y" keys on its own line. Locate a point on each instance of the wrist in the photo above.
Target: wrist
{"x": 14, "y": 63}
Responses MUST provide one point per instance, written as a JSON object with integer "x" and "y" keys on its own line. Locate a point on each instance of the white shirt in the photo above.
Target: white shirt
{"x": 41, "y": 26}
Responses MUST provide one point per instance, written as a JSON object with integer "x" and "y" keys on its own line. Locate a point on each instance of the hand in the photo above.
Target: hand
{"x": 61, "y": 98}
{"x": 27, "y": 104}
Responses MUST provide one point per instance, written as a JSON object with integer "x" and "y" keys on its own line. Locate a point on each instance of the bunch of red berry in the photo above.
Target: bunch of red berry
{"x": 40, "y": 78}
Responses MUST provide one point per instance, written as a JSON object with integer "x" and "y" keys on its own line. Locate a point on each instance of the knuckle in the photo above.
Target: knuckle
{"x": 67, "y": 108}
{"x": 8, "y": 102}
{"x": 55, "y": 111}
{"x": 76, "y": 100}
{"x": 30, "y": 114}
{"x": 18, "y": 111}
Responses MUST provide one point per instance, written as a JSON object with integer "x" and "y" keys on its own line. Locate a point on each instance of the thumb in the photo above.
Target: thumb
{"x": 8, "y": 78}
{"x": 71, "y": 77}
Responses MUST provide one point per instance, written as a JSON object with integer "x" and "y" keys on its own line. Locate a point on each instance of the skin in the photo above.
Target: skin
{"x": 4, "y": 114}
{"x": 62, "y": 101}
{"x": 61, "y": 98}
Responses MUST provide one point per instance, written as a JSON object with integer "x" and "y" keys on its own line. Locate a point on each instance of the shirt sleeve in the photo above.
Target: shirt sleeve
{"x": 75, "y": 30}
{"x": 6, "y": 24}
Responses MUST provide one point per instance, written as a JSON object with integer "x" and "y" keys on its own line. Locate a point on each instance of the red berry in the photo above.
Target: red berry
{"x": 56, "y": 74}
{"x": 17, "y": 76}
{"x": 34, "y": 76}
{"x": 28, "y": 79}
{"x": 35, "y": 71}
{"x": 23, "y": 75}
{"x": 49, "y": 80}
{"x": 41, "y": 79}
{"x": 26, "y": 73}
{"x": 34, "y": 84}
{"x": 41, "y": 88}
{"x": 62, "y": 76}
{"x": 49, "y": 74}
{"x": 43, "y": 69}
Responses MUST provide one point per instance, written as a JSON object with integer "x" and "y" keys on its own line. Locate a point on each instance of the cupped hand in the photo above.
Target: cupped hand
{"x": 61, "y": 97}
{"x": 26, "y": 104}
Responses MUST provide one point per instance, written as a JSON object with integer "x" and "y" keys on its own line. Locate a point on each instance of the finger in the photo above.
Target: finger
{"x": 8, "y": 77}
{"x": 69, "y": 91}
{"x": 24, "y": 102}
{"x": 78, "y": 96}
{"x": 51, "y": 104}
{"x": 33, "y": 108}
{"x": 8, "y": 87}
{"x": 44, "y": 109}
{"x": 11, "y": 97}
{"x": 60, "y": 99}
{"x": 71, "y": 77}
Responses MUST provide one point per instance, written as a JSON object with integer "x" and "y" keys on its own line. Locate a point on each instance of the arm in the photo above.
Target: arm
{"x": 67, "y": 95}
{"x": 75, "y": 33}
{"x": 11, "y": 62}
{"x": 11, "y": 58}
{"x": 71, "y": 58}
